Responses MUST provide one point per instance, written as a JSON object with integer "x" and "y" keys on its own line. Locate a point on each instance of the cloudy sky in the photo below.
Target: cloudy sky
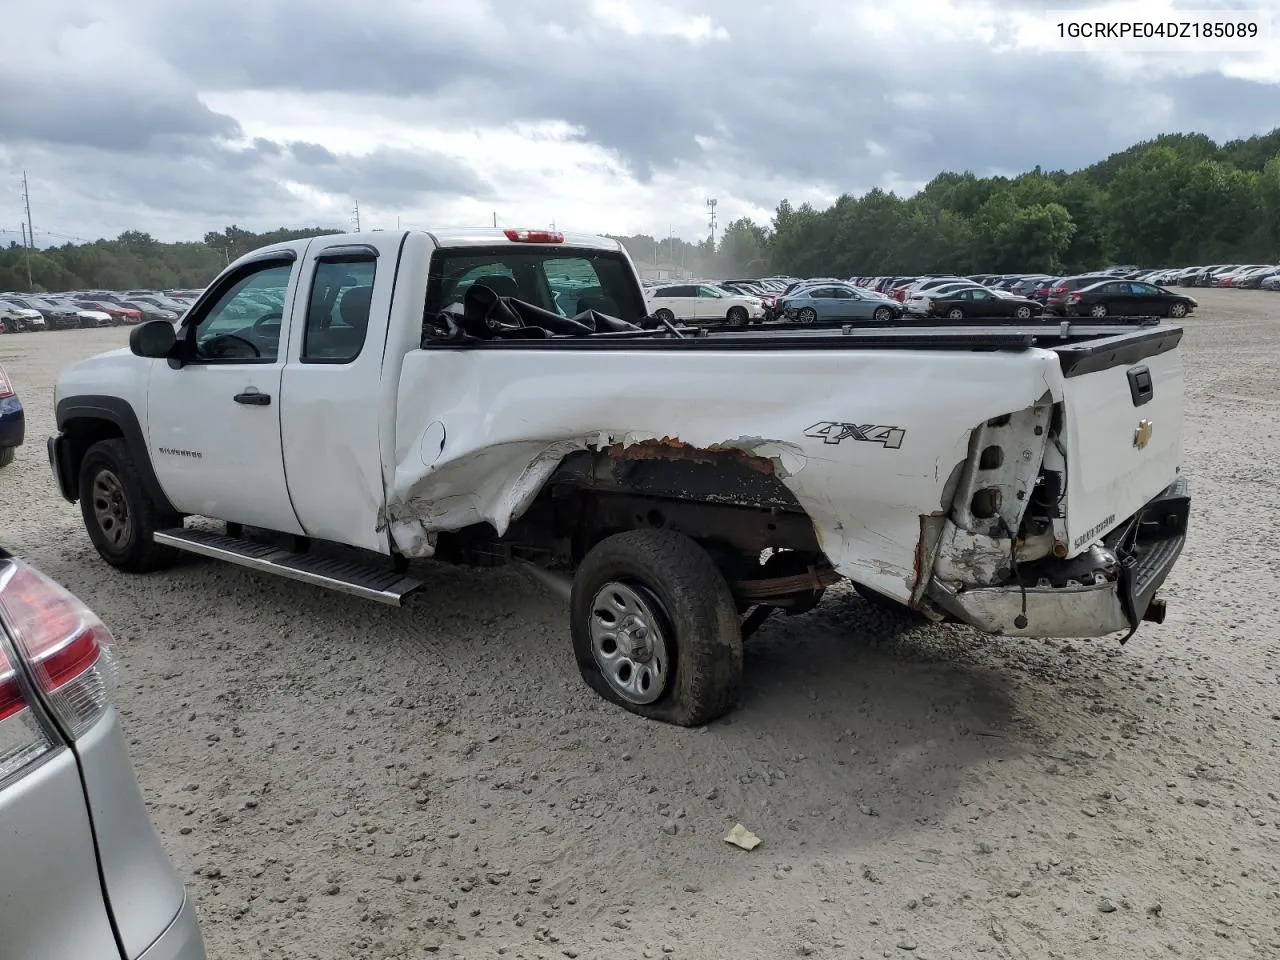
{"x": 181, "y": 116}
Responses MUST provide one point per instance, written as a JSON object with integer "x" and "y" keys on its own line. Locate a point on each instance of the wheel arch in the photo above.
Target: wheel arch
{"x": 726, "y": 496}
{"x": 83, "y": 421}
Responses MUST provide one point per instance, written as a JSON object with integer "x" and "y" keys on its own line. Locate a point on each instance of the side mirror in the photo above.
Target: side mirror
{"x": 154, "y": 339}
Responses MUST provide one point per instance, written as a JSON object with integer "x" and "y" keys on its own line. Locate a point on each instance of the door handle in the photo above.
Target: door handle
{"x": 253, "y": 397}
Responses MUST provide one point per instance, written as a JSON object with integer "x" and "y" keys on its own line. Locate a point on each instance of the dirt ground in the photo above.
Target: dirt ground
{"x": 336, "y": 779}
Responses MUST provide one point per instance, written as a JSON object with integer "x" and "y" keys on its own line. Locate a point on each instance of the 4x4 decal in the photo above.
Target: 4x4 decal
{"x": 829, "y": 432}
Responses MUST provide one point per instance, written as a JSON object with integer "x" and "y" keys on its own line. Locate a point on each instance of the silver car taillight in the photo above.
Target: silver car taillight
{"x": 56, "y": 647}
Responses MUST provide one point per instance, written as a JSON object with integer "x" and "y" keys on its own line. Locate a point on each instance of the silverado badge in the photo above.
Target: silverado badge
{"x": 1142, "y": 436}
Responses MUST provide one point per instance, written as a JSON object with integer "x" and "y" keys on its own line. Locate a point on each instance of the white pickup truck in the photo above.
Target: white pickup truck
{"x": 348, "y": 404}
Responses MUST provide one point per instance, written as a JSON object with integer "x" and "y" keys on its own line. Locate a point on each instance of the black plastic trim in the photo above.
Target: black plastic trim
{"x": 1141, "y": 386}
{"x": 116, "y": 411}
{"x": 644, "y": 340}
{"x": 1093, "y": 356}
{"x": 348, "y": 252}
{"x": 266, "y": 256}
{"x": 62, "y": 467}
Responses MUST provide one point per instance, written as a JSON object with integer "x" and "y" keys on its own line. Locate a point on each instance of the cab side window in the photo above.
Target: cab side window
{"x": 338, "y": 311}
{"x": 243, "y": 324}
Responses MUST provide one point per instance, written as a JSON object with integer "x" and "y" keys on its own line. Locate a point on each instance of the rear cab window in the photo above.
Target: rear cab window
{"x": 564, "y": 281}
{"x": 338, "y": 311}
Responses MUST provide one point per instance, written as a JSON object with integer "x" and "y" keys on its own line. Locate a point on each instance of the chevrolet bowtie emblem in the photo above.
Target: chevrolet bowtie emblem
{"x": 1142, "y": 436}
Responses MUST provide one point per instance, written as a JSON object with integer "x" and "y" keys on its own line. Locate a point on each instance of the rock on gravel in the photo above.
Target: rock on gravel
{"x": 978, "y": 753}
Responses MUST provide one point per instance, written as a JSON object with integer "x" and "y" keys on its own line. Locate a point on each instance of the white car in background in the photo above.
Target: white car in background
{"x": 702, "y": 302}
{"x": 15, "y": 318}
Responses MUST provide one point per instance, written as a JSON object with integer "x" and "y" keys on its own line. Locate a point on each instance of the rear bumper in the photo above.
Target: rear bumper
{"x": 181, "y": 940}
{"x": 1143, "y": 550}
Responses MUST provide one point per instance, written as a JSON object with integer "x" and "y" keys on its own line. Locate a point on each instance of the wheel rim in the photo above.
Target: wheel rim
{"x": 628, "y": 642}
{"x": 881, "y": 314}
{"x": 807, "y": 315}
{"x": 110, "y": 508}
{"x": 956, "y": 315}
{"x": 737, "y": 315}
{"x": 1099, "y": 310}
{"x": 1179, "y": 310}
{"x": 1024, "y": 313}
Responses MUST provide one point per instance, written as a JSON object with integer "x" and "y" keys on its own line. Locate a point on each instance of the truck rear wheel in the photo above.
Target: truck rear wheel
{"x": 655, "y": 628}
{"x": 118, "y": 514}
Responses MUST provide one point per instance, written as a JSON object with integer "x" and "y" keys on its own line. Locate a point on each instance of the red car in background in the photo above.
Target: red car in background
{"x": 118, "y": 313}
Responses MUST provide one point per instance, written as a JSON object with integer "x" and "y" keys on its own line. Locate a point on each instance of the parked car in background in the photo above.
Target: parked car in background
{"x": 1043, "y": 290}
{"x": 916, "y": 301}
{"x": 839, "y": 301}
{"x": 925, "y": 284}
{"x": 1271, "y": 282}
{"x": 1056, "y": 302}
{"x": 117, "y": 312}
{"x": 84, "y": 873}
{"x": 976, "y": 302}
{"x": 1253, "y": 279}
{"x": 1128, "y": 298}
{"x": 56, "y": 316}
{"x": 16, "y": 319}
{"x": 12, "y": 433}
{"x": 85, "y": 316}
{"x": 149, "y": 310}
{"x": 704, "y": 302}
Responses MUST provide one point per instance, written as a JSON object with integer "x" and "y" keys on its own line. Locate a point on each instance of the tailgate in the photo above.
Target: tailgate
{"x": 1123, "y": 431}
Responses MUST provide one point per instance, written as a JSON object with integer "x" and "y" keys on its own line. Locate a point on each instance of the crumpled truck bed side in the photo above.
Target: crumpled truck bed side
{"x": 870, "y": 442}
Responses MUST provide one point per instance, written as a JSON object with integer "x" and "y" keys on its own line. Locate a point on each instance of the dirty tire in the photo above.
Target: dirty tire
{"x": 6, "y": 456}
{"x": 737, "y": 315}
{"x": 136, "y": 552}
{"x": 698, "y": 613}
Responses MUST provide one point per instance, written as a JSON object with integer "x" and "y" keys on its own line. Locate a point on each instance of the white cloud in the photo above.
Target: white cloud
{"x": 610, "y": 115}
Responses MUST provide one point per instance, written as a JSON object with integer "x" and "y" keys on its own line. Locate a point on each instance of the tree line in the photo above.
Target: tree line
{"x": 1178, "y": 199}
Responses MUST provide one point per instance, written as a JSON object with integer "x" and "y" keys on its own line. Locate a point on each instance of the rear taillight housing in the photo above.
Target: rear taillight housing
{"x": 55, "y": 648}
{"x": 6, "y": 387}
{"x": 1075, "y": 298}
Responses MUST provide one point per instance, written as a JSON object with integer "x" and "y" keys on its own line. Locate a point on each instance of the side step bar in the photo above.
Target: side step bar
{"x": 343, "y": 576}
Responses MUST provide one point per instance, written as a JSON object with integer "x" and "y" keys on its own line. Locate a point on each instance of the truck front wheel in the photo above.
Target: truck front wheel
{"x": 655, "y": 628}
{"x": 118, "y": 515}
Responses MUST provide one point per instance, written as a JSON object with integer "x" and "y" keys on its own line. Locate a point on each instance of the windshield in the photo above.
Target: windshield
{"x": 563, "y": 281}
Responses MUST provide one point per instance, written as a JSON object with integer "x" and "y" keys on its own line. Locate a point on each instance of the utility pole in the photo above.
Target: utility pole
{"x": 495, "y": 219}
{"x": 31, "y": 227}
{"x": 711, "y": 206}
{"x": 355, "y": 215}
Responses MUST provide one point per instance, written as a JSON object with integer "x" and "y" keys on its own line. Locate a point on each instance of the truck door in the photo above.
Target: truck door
{"x": 330, "y": 417}
{"x": 213, "y": 424}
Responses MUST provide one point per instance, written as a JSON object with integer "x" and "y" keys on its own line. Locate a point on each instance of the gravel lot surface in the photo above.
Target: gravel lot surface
{"x": 336, "y": 779}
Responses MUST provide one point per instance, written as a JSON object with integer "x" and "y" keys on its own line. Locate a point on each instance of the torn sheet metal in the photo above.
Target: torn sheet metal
{"x": 867, "y": 441}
